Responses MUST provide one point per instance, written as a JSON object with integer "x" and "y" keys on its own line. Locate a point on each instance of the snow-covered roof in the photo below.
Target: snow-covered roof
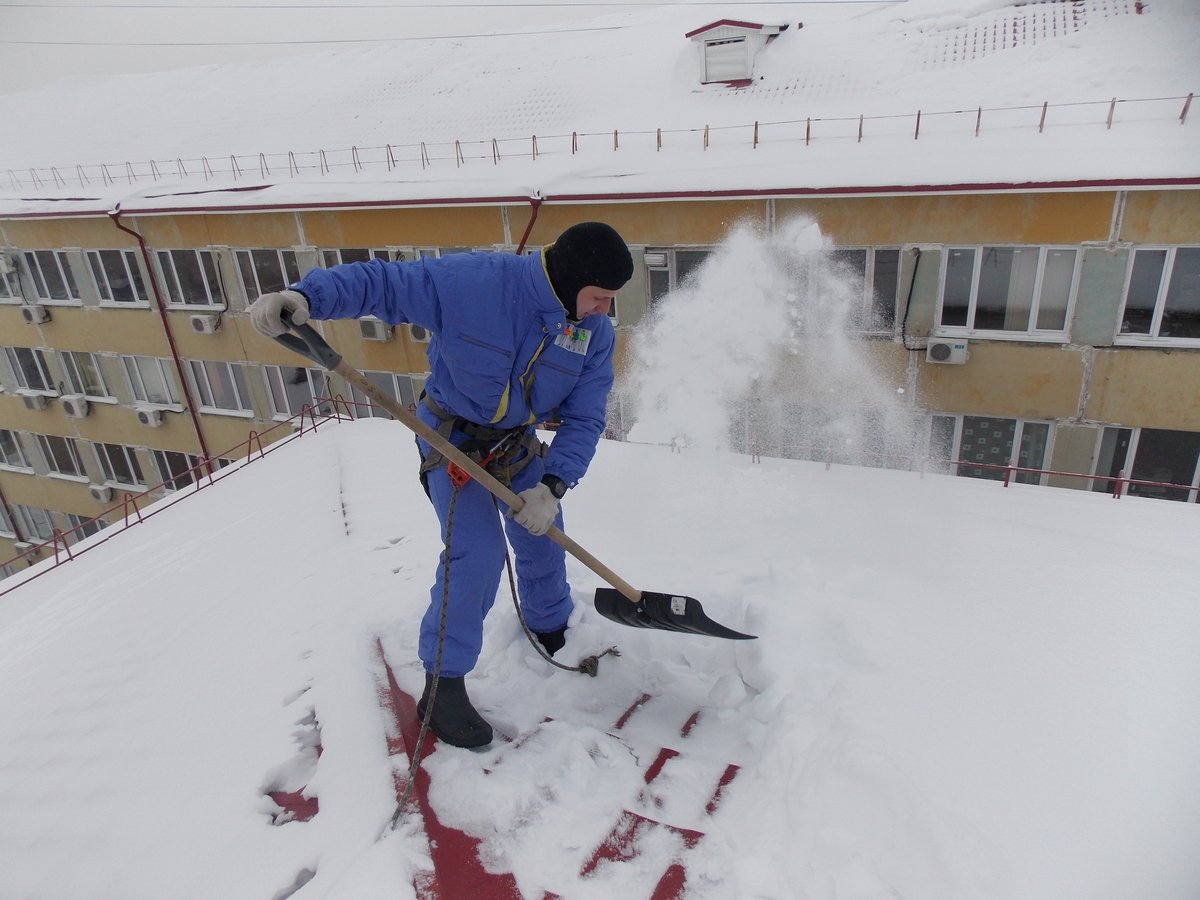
{"x": 921, "y": 95}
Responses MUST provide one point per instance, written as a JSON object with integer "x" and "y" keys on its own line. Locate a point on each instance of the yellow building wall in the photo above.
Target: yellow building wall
{"x": 1151, "y": 388}
{"x": 424, "y": 227}
{"x": 97, "y": 232}
{"x": 1161, "y": 217}
{"x": 1012, "y": 380}
{"x": 1064, "y": 218}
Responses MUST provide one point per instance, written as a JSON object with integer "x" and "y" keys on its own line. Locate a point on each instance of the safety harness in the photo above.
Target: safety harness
{"x": 503, "y": 452}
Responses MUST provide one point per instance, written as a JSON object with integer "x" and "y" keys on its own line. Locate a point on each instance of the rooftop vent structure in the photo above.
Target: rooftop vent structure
{"x": 728, "y": 48}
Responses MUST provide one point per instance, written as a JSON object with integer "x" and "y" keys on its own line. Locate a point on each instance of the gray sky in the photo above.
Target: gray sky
{"x": 43, "y": 41}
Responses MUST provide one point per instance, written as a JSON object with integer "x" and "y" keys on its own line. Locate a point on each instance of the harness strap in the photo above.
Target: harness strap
{"x": 481, "y": 441}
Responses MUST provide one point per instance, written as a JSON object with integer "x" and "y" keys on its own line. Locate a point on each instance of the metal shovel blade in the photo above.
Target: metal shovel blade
{"x": 666, "y": 612}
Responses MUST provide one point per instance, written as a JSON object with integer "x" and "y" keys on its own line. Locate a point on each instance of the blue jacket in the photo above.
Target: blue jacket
{"x": 503, "y": 352}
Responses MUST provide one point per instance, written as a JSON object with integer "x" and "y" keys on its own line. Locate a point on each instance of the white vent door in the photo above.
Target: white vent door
{"x": 725, "y": 60}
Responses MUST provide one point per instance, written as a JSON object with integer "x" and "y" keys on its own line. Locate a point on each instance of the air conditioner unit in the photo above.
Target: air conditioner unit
{"x": 101, "y": 493}
{"x": 34, "y": 401}
{"x": 7, "y": 265}
{"x": 419, "y": 334}
{"x": 206, "y": 323}
{"x": 20, "y": 547}
{"x": 34, "y": 314}
{"x": 76, "y": 406}
{"x": 375, "y": 330}
{"x": 950, "y": 351}
{"x": 150, "y": 417}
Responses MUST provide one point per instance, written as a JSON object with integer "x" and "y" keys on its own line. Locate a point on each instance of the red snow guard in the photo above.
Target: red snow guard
{"x": 457, "y": 869}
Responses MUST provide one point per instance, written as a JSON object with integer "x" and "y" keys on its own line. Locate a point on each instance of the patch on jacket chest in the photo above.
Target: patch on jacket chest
{"x": 574, "y": 339}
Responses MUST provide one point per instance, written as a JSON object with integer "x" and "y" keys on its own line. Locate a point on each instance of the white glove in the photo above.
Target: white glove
{"x": 266, "y": 313}
{"x": 541, "y": 506}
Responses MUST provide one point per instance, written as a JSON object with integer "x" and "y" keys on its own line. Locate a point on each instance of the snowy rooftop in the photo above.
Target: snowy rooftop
{"x": 1083, "y": 93}
{"x": 960, "y": 690}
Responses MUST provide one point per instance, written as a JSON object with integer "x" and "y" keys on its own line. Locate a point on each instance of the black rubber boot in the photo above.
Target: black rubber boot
{"x": 454, "y": 719}
{"x": 552, "y": 641}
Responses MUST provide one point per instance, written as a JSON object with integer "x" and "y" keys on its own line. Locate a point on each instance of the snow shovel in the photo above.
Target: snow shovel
{"x": 621, "y": 603}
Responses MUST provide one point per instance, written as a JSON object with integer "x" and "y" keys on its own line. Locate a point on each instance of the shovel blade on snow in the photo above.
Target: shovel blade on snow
{"x": 666, "y": 612}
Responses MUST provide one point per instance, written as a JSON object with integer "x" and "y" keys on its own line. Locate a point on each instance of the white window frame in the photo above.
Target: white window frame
{"x": 83, "y": 527}
{"x": 35, "y": 521}
{"x": 336, "y": 256}
{"x": 21, "y": 462}
{"x": 209, "y": 268}
{"x": 102, "y": 277}
{"x": 10, "y": 282}
{"x": 104, "y": 457}
{"x": 70, "y": 362}
{"x": 1014, "y": 454}
{"x": 203, "y": 372}
{"x": 865, "y": 325}
{"x": 35, "y": 267}
{"x": 404, "y": 388}
{"x": 38, "y": 358}
{"x": 277, "y": 391}
{"x": 136, "y": 377}
{"x": 1031, "y": 332}
{"x": 1160, "y": 303}
{"x": 249, "y": 259}
{"x": 51, "y": 457}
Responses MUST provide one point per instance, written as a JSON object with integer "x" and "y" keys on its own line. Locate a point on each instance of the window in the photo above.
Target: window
{"x": 331, "y": 258}
{"x": 986, "y": 446}
{"x": 29, "y": 367}
{"x": 11, "y": 452}
{"x": 61, "y": 455}
{"x": 404, "y": 389}
{"x": 51, "y": 276}
{"x": 34, "y": 522}
{"x": 148, "y": 380}
{"x": 876, "y": 273}
{"x": 264, "y": 271}
{"x": 668, "y": 269}
{"x": 6, "y": 525}
{"x": 119, "y": 464}
{"x": 178, "y": 470}
{"x": 192, "y": 277}
{"x": 118, "y": 278}
{"x": 82, "y": 528}
{"x": 1015, "y": 290}
{"x": 1162, "y": 294}
{"x": 293, "y": 388}
{"x": 83, "y": 374}
{"x": 10, "y": 284}
{"x": 221, "y": 386}
{"x": 1170, "y": 459}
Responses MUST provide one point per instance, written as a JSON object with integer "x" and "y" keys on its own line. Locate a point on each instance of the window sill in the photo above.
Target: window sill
{"x": 130, "y": 488}
{"x": 26, "y": 470}
{"x": 231, "y": 413}
{"x": 1006, "y": 336}
{"x": 1156, "y": 343}
{"x": 149, "y": 404}
{"x": 115, "y": 304}
{"x": 75, "y": 479}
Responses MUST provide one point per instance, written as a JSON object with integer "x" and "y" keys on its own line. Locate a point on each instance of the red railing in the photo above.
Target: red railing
{"x": 203, "y": 474}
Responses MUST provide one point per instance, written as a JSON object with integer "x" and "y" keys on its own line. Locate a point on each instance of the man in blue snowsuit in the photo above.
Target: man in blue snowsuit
{"x": 517, "y": 339}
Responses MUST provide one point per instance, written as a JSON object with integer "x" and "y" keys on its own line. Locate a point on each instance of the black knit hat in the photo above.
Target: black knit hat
{"x": 590, "y": 253}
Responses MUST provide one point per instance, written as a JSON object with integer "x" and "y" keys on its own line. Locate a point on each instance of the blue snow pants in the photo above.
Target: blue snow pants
{"x": 475, "y": 535}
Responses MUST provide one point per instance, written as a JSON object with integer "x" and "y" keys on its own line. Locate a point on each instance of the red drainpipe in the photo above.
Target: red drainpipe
{"x": 115, "y": 215}
{"x": 535, "y": 203}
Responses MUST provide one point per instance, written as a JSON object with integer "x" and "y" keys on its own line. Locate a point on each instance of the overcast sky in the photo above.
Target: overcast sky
{"x": 43, "y": 41}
